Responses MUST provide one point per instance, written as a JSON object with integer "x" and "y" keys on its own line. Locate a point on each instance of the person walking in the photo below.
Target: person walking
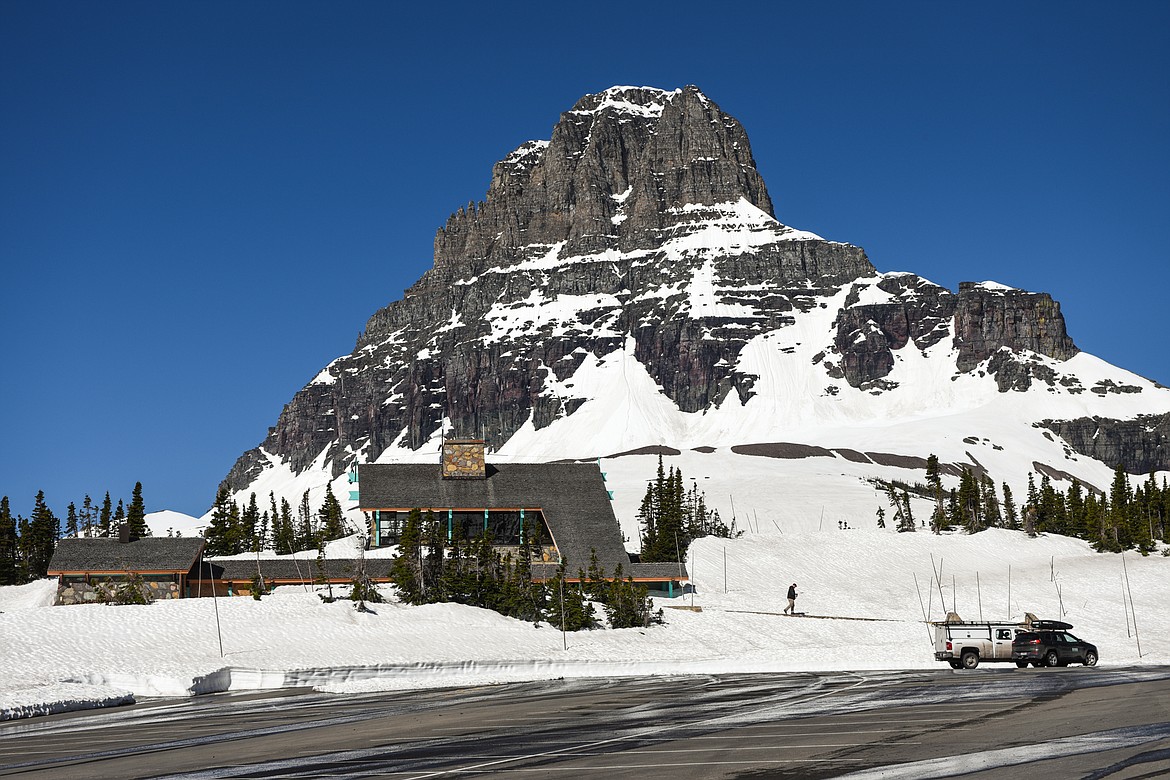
{"x": 791, "y": 608}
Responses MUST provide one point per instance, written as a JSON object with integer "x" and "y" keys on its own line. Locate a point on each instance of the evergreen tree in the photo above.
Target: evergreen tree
{"x": 524, "y": 598}
{"x": 24, "y": 540}
{"x": 670, "y": 517}
{"x": 993, "y": 517}
{"x": 567, "y": 607}
{"x": 131, "y": 591}
{"x": 647, "y": 520}
{"x": 285, "y": 539}
{"x": 881, "y": 517}
{"x": 307, "y": 535}
{"x": 87, "y": 516}
{"x": 406, "y": 570}
{"x": 362, "y": 587}
{"x": 275, "y": 533}
{"x": 221, "y": 532}
{"x": 1095, "y": 522}
{"x": 626, "y": 604}
{"x": 968, "y": 504}
{"x": 256, "y": 586}
{"x": 909, "y": 513}
{"x": 1142, "y": 515}
{"x": 136, "y": 514}
{"x": 105, "y": 517}
{"x": 331, "y": 520}
{"x": 1011, "y": 518}
{"x": 1164, "y": 512}
{"x": 9, "y": 571}
{"x": 938, "y": 520}
{"x": 321, "y": 576}
{"x": 435, "y": 541}
{"x": 899, "y": 510}
{"x": 117, "y": 521}
{"x": 43, "y": 531}
{"x": 71, "y": 527}
{"x": 1050, "y": 515}
{"x": 249, "y": 527}
{"x": 1117, "y": 516}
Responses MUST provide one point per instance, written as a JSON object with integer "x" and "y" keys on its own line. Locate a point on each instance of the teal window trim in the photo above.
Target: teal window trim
{"x": 521, "y": 526}
{"x": 450, "y": 513}
{"x": 485, "y": 520}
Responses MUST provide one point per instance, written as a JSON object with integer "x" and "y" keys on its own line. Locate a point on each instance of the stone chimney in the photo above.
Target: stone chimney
{"x": 464, "y": 459}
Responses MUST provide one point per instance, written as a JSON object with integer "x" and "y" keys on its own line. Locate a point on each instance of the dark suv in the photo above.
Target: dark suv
{"x": 1051, "y": 648}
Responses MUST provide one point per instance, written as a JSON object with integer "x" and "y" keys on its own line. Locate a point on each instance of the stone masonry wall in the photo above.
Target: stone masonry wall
{"x": 102, "y": 592}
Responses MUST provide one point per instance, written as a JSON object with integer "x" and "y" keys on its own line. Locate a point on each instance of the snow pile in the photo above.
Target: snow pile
{"x": 62, "y": 697}
{"x": 90, "y": 655}
{"x": 41, "y": 593}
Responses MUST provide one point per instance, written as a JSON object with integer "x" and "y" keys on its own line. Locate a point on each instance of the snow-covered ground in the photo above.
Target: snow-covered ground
{"x": 57, "y": 658}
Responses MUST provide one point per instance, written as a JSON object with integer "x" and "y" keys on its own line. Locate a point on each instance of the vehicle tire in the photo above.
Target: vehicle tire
{"x": 970, "y": 659}
{"x": 1052, "y": 659}
{"x": 955, "y": 664}
{"x": 1090, "y": 658}
{"x": 1021, "y": 664}
{"x": 1037, "y": 664}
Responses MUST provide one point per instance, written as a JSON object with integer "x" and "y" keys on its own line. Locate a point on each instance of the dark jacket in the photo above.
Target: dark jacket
{"x": 792, "y": 591}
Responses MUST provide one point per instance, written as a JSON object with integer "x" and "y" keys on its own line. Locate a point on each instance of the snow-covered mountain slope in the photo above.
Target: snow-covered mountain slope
{"x": 626, "y": 285}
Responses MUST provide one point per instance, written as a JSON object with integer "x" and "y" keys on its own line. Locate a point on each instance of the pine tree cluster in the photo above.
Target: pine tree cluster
{"x": 671, "y": 517}
{"x": 234, "y": 529}
{"x": 430, "y": 568}
{"x": 1128, "y": 518}
{"x": 27, "y": 544}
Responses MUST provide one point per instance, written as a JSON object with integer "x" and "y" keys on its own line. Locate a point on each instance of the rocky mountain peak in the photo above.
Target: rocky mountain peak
{"x": 619, "y": 167}
{"x": 631, "y": 266}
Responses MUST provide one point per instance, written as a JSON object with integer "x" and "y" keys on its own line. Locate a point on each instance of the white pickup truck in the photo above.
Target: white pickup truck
{"x": 964, "y": 645}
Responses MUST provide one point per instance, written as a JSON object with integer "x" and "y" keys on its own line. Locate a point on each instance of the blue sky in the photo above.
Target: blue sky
{"x": 202, "y": 203}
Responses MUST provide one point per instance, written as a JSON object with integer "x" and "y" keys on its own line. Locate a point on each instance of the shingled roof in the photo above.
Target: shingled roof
{"x": 161, "y": 554}
{"x": 572, "y": 497}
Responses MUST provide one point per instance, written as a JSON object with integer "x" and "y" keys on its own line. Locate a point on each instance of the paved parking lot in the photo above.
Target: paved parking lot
{"x": 887, "y": 725}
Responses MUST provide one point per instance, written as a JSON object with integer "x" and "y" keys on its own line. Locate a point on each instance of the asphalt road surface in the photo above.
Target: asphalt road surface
{"x": 992, "y": 722}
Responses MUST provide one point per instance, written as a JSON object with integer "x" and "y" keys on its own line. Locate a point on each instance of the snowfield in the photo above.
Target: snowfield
{"x": 59, "y": 658}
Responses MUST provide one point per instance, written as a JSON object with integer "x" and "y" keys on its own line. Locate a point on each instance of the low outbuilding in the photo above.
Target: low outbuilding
{"x": 88, "y": 569}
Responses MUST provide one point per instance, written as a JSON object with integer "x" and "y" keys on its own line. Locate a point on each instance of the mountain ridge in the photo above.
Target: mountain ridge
{"x": 639, "y": 243}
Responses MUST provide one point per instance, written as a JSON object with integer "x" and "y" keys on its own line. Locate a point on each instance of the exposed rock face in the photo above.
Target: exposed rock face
{"x": 868, "y": 333}
{"x": 991, "y": 323}
{"x": 1140, "y": 445}
{"x": 990, "y": 317}
{"x": 640, "y": 230}
{"x": 618, "y": 167}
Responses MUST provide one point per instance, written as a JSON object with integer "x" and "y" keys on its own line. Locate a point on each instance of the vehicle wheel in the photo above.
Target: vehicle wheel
{"x": 1021, "y": 664}
{"x": 1090, "y": 658}
{"x": 955, "y": 664}
{"x": 1037, "y": 664}
{"x": 970, "y": 659}
{"x": 1052, "y": 659}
